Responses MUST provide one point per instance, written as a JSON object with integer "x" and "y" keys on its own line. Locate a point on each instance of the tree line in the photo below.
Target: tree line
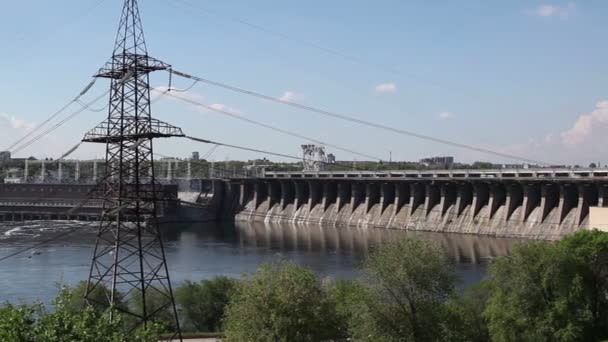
{"x": 407, "y": 291}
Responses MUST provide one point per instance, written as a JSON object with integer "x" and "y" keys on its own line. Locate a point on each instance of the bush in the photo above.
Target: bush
{"x": 281, "y": 302}
{"x": 201, "y": 305}
{"x": 407, "y": 283}
{"x": 551, "y": 292}
{"x": 33, "y": 323}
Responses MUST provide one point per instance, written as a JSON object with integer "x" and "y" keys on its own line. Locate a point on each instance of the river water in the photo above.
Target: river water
{"x": 204, "y": 250}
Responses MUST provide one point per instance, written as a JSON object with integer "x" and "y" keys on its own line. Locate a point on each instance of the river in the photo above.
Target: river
{"x": 204, "y": 250}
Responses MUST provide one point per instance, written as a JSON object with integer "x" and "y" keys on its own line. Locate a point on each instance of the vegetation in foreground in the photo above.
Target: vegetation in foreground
{"x": 541, "y": 292}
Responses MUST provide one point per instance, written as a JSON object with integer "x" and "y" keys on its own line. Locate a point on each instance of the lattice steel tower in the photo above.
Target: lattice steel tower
{"x": 129, "y": 257}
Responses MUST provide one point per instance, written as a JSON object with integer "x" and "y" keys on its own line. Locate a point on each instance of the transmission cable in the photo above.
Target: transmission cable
{"x": 360, "y": 121}
{"x": 91, "y": 109}
{"x": 205, "y": 141}
{"x": 319, "y": 47}
{"x": 276, "y": 129}
{"x": 59, "y": 124}
{"x": 71, "y": 116}
{"x": 211, "y": 151}
{"x": 52, "y": 116}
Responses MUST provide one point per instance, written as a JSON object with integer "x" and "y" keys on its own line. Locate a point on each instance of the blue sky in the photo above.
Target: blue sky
{"x": 520, "y": 77}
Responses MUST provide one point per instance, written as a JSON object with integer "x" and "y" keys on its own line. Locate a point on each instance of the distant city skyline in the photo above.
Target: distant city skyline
{"x": 519, "y": 77}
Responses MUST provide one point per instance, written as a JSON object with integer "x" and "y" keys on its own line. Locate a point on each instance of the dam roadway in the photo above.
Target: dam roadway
{"x": 539, "y": 203}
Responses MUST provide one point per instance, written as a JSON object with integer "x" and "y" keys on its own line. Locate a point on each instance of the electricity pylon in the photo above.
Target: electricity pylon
{"x": 129, "y": 264}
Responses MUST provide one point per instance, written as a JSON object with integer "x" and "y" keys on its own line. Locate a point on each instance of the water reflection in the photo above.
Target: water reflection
{"x": 290, "y": 237}
{"x": 205, "y": 250}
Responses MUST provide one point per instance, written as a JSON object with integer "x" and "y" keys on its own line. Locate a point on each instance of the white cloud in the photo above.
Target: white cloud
{"x": 218, "y": 106}
{"x": 550, "y": 10}
{"x": 15, "y": 122}
{"x": 579, "y": 144}
{"x": 585, "y": 124}
{"x": 446, "y": 115}
{"x": 290, "y": 96}
{"x": 389, "y": 87}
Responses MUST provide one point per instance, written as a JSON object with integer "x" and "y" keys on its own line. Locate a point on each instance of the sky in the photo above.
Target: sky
{"x": 526, "y": 78}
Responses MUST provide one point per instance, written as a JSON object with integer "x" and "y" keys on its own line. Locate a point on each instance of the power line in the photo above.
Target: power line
{"x": 276, "y": 129}
{"x": 61, "y": 24}
{"x": 316, "y": 46}
{"x": 210, "y": 152}
{"x": 85, "y": 106}
{"x": 205, "y": 141}
{"x": 359, "y": 121}
{"x": 59, "y": 124}
{"x": 52, "y": 116}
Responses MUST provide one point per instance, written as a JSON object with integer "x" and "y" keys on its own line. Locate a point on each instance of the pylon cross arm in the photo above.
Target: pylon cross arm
{"x": 147, "y": 128}
{"x": 121, "y": 64}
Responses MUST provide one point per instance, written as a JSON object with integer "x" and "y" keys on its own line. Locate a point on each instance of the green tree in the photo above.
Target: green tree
{"x": 18, "y": 322}
{"x": 158, "y": 305}
{"x": 407, "y": 283}
{"x": 33, "y": 323}
{"x": 280, "y": 302}
{"x": 589, "y": 251}
{"x": 202, "y": 304}
{"x": 347, "y": 296}
{"x": 74, "y": 300}
{"x": 465, "y": 314}
{"x": 551, "y": 292}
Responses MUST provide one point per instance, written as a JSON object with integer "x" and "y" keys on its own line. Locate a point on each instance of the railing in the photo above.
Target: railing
{"x": 503, "y": 173}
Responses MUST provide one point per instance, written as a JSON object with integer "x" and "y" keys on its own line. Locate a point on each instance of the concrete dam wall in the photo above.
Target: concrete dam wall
{"x": 531, "y": 208}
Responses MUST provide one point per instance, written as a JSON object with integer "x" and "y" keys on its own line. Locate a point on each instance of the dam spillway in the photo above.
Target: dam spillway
{"x": 528, "y": 205}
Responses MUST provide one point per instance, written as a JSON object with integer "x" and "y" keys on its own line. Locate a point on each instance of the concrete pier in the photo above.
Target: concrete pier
{"x": 529, "y": 208}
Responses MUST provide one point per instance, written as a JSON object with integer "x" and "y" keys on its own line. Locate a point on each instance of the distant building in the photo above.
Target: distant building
{"x": 446, "y": 161}
{"x": 13, "y": 176}
{"x": 5, "y": 155}
{"x": 196, "y": 156}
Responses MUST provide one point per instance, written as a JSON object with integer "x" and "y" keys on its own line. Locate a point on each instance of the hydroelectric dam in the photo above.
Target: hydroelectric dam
{"x": 521, "y": 203}
{"x": 525, "y": 203}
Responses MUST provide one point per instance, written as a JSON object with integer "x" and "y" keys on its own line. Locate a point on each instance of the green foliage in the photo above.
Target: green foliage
{"x": 23, "y": 323}
{"x": 541, "y": 292}
{"x": 280, "y": 302}
{"x": 407, "y": 284}
{"x": 482, "y": 165}
{"x": 465, "y": 320}
{"x": 158, "y": 304}
{"x": 18, "y": 322}
{"x": 74, "y": 301}
{"x": 202, "y": 304}
{"x": 545, "y": 292}
{"x": 347, "y": 296}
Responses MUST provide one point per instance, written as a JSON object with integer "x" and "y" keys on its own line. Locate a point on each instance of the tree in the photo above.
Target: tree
{"x": 17, "y": 322}
{"x": 407, "y": 283}
{"x": 73, "y": 297}
{"x": 202, "y": 304}
{"x": 280, "y": 302}
{"x": 588, "y": 250}
{"x": 33, "y": 323}
{"x": 346, "y": 296}
{"x": 482, "y": 165}
{"x": 158, "y": 305}
{"x": 592, "y": 166}
{"x": 545, "y": 292}
{"x": 465, "y": 314}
